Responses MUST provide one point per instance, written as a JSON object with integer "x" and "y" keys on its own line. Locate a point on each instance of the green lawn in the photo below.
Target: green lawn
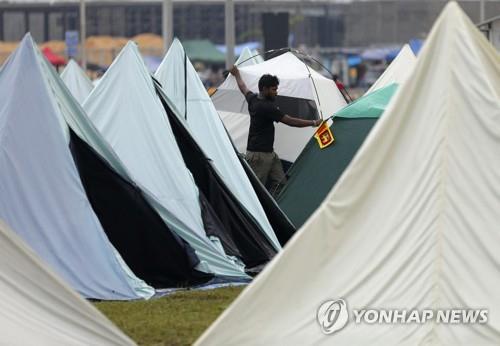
{"x": 177, "y": 319}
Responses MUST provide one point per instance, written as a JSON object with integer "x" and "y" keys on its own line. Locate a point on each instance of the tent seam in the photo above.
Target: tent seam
{"x": 442, "y": 193}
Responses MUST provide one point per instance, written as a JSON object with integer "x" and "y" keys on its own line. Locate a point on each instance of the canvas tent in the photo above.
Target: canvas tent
{"x": 36, "y": 307}
{"x": 184, "y": 88}
{"x": 397, "y": 71}
{"x": 42, "y": 196}
{"x": 135, "y": 228}
{"x": 77, "y": 81}
{"x": 302, "y": 92}
{"x": 131, "y": 116}
{"x": 148, "y": 245}
{"x": 411, "y": 224}
{"x": 151, "y": 249}
{"x": 316, "y": 170}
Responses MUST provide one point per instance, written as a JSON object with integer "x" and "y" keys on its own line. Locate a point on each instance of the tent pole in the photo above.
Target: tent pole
{"x": 230, "y": 35}
{"x": 83, "y": 34}
{"x": 167, "y": 24}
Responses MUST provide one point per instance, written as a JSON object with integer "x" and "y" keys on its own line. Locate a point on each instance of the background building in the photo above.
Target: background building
{"x": 326, "y": 24}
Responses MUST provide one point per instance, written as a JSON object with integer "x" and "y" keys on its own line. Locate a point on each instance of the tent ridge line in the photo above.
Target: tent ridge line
{"x": 438, "y": 271}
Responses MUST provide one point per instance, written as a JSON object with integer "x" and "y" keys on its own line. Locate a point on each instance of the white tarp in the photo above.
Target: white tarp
{"x": 208, "y": 130}
{"x": 398, "y": 70}
{"x": 37, "y": 308}
{"x": 296, "y": 80}
{"x": 126, "y": 110}
{"x": 412, "y": 222}
{"x": 42, "y": 196}
{"x": 77, "y": 81}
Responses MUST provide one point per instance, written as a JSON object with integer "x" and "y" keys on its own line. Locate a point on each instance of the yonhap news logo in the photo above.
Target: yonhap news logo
{"x": 333, "y": 315}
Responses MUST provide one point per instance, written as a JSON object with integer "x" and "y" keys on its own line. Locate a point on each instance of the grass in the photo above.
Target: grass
{"x": 177, "y": 319}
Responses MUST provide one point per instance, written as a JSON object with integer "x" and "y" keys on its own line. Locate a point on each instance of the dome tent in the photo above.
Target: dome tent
{"x": 302, "y": 92}
{"x": 316, "y": 170}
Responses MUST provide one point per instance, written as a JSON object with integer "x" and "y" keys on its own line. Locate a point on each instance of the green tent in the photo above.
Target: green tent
{"x": 316, "y": 170}
{"x": 204, "y": 51}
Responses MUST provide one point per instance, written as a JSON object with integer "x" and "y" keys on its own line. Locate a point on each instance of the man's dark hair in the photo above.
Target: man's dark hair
{"x": 268, "y": 81}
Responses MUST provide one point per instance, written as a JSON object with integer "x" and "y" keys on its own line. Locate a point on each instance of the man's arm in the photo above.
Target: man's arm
{"x": 241, "y": 84}
{"x": 297, "y": 122}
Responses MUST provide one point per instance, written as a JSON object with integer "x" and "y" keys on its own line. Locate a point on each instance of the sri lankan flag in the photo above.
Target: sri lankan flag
{"x": 324, "y": 135}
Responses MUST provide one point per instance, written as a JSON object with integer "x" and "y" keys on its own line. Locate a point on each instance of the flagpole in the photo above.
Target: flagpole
{"x": 83, "y": 34}
{"x": 481, "y": 11}
{"x": 229, "y": 31}
{"x": 167, "y": 24}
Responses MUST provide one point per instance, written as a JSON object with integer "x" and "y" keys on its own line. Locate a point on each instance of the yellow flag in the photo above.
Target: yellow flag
{"x": 324, "y": 135}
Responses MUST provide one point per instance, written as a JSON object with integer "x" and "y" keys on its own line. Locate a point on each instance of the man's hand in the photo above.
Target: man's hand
{"x": 317, "y": 122}
{"x": 241, "y": 84}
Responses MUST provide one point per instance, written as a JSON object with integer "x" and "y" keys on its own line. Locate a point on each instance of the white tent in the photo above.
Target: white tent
{"x": 411, "y": 224}
{"x": 154, "y": 252}
{"x": 126, "y": 110}
{"x": 77, "y": 81}
{"x": 37, "y": 308}
{"x": 398, "y": 70}
{"x": 185, "y": 89}
{"x": 297, "y": 81}
{"x": 42, "y": 196}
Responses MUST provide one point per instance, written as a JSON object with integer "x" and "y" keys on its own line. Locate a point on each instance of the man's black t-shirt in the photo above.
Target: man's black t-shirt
{"x": 263, "y": 114}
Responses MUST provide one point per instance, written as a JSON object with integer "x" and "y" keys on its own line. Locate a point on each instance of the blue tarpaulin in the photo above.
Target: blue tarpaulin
{"x": 378, "y": 53}
{"x": 354, "y": 60}
{"x": 416, "y": 45}
{"x": 392, "y": 54}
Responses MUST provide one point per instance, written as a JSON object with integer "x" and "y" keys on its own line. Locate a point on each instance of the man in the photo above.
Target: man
{"x": 263, "y": 113}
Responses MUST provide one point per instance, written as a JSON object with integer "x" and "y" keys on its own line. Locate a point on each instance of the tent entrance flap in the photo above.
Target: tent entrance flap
{"x": 213, "y": 227}
{"x": 297, "y": 107}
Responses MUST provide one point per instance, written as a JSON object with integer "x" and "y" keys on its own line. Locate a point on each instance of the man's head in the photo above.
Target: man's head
{"x": 268, "y": 86}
